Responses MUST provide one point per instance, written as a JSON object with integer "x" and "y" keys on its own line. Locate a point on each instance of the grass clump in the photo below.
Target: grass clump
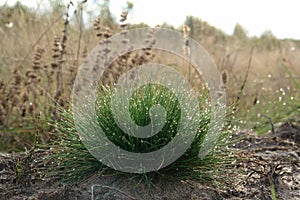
{"x": 71, "y": 161}
{"x": 140, "y": 105}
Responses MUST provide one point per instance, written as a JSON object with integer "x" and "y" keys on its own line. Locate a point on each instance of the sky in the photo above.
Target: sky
{"x": 282, "y": 17}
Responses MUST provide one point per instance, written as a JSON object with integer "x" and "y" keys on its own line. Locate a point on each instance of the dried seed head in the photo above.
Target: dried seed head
{"x": 57, "y": 48}
{"x": 97, "y": 24}
{"x": 28, "y": 71}
{"x": 17, "y": 78}
{"x": 123, "y": 26}
{"x": 224, "y": 77}
{"x": 100, "y": 34}
{"x": 23, "y": 110}
{"x": 107, "y": 33}
{"x": 124, "y": 15}
{"x": 148, "y": 53}
{"x": 56, "y": 44}
{"x": 66, "y": 22}
{"x": 37, "y": 58}
{"x": 54, "y": 65}
{"x": 25, "y": 97}
{"x": 32, "y": 75}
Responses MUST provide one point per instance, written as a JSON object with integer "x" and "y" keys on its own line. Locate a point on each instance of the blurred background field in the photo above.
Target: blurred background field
{"x": 41, "y": 51}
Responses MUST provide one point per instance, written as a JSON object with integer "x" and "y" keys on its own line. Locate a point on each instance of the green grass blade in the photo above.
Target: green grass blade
{"x": 297, "y": 85}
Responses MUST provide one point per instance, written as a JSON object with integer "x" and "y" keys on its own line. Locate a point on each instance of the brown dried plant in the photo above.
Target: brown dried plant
{"x": 129, "y": 59}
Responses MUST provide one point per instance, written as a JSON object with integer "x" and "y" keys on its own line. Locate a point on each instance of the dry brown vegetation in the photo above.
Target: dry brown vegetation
{"x": 42, "y": 51}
